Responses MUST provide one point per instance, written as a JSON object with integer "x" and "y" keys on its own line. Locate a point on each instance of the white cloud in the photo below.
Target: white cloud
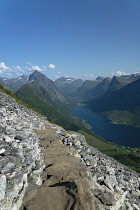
{"x": 37, "y": 68}
{"x": 44, "y": 68}
{"x": 57, "y": 76}
{"x": 92, "y": 75}
{"x": 28, "y": 68}
{"x": 9, "y": 74}
{"x": 119, "y": 73}
{"x": 30, "y": 64}
{"x": 3, "y": 66}
{"x": 58, "y": 72}
{"x": 18, "y": 68}
{"x": 51, "y": 66}
{"x": 1, "y": 71}
{"x": 19, "y": 74}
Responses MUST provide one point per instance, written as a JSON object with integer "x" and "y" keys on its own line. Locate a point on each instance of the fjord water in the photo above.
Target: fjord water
{"x": 124, "y": 135}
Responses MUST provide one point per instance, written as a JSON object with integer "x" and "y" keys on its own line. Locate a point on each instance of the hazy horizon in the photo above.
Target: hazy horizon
{"x": 77, "y": 38}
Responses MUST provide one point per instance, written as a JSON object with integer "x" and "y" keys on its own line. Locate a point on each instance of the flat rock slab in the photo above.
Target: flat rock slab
{"x": 66, "y": 183}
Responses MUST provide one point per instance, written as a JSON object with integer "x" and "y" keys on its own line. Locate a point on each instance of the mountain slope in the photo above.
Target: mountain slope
{"x": 68, "y": 85}
{"x": 42, "y": 94}
{"x": 92, "y": 89}
{"x": 41, "y": 162}
{"x": 81, "y": 93}
{"x": 15, "y": 83}
{"x": 98, "y": 90}
{"x": 125, "y": 99}
{"x": 46, "y": 87}
{"x": 28, "y": 95}
{"x": 119, "y": 82}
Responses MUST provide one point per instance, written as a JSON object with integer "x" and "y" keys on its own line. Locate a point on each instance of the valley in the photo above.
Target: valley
{"x": 70, "y": 105}
{"x": 116, "y": 140}
{"x": 114, "y": 98}
{"x": 124, "y": 135}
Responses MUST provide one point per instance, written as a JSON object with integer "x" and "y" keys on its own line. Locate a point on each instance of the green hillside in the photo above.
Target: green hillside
{"x": 81, "y": 93}
{"x": 65, "y": 119}
{"x": 121, "y": 106}
{"x": 128, "y": 156}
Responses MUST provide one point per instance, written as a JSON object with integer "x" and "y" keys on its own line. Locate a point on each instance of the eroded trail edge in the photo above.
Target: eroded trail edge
{"x": 78, "y": 176}
{"x": 42, "y": 166}
{"x": 66, "y": 182}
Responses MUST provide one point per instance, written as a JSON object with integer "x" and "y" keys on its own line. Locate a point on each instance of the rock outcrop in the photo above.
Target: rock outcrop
{"x": 21, "y": 158}
{"x": 40, "y": 158}
{"x": 116, "y": 186}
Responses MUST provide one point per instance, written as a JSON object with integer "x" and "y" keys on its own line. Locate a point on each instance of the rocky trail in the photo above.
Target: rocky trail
{"x": 65, "y": 182}
{"x": 44, "y": 167}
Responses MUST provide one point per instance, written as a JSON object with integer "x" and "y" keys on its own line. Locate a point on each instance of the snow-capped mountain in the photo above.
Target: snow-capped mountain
{"x": 15, "y": 83}
{"x": 68, "y": 85}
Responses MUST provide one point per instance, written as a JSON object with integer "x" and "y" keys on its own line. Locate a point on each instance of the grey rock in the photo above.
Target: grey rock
{"x": 20, "y": 137}
{"x": 110, "y": 181}
{"x": 107, "y": 198}
{"x": 2, "y": 186}
{"x": 135, "y": 207}
{"x": 2, "y": 151}
{"x": 2, "y": 129}
{"x": 114, "y": 185}
{"x": 7, "y": 167}
{"x": 8, "y": 139}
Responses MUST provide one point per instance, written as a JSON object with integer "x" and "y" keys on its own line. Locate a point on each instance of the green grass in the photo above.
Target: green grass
{"x": 81, "y": 104}
{"x": 125, "y": 155}
{"x": 96, "y": 142}
{"x": 9, "y": 92}
{"x": 122, "y": 117}
{"x": 31, "y": 101}
{"x": 59, "y": 116}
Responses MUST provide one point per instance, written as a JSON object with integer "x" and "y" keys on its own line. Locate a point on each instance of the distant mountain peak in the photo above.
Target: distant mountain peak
{"x": 99, "y": 78}
{"x": 14, "y": 83}
{"x": 38, "y": 76}
{"x": 65, "y": 79}
{"x": 114, "y": 83}
{"x": 68, "y": 85}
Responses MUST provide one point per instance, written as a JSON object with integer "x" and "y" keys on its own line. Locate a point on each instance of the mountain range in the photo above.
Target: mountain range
{"x": 15, "y": 83}
{"x": 116, "y": 98}
{"x": 92, "y": 89}
{"x": 120, "y": 105}
{"x": 42, "y": 94}
{"x": 68, "y": 85}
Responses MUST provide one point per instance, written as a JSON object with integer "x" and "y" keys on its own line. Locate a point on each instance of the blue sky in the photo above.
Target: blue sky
{"x": 77, "y": 38}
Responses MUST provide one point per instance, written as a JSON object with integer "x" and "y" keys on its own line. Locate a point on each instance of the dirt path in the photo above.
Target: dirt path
{"x": 66, "y": 185}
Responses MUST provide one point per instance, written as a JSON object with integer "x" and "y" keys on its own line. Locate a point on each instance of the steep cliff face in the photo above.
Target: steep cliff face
{"x": 42, "y": 166}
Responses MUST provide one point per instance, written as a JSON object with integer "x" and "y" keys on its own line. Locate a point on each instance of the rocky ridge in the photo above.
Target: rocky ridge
{"x": 20, "y": 155}
{"x": 116, "y": 186}
{"x": 112, "y": 185}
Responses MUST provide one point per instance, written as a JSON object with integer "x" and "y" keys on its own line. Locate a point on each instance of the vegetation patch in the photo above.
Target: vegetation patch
{"x": 122, "y": 117}
{"x": 126, "y": 155}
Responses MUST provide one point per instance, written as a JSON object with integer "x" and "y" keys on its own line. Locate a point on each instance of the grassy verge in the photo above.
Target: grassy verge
{"x": 122, "y": 117}
{"x": 125, "y": 155}
{"x": 31, "y": 101}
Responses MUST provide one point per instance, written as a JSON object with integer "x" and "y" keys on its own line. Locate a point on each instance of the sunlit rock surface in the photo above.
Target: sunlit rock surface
{"x": 105, "y": 183}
